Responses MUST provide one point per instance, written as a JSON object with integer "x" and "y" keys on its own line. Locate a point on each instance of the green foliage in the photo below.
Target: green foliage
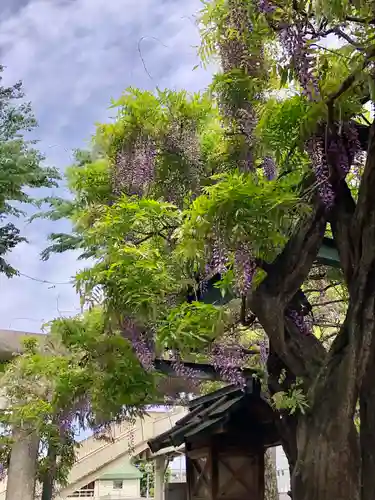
{"x": 148, "y": 476}
{"x": 241, "y": 209}
{"x": 190, "y": 326}
{"x": 293, "y": 400}
{"x": 79, "y": 363}
{"x": 20, "y": 167}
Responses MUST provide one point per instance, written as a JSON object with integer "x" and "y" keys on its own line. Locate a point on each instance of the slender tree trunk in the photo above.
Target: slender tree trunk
{"x": 270, "y": 478}
{"x": 23, "y": 465}
{"x": 49, "y": 478}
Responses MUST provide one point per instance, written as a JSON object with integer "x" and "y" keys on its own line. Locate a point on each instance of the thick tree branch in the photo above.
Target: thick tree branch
{"x": 341, "y": 219}
{"x": 344, "y": 36}
{"x": 291, "y": 267}
{"x": 364, "y": 219}
{"x": 360, "y": 20}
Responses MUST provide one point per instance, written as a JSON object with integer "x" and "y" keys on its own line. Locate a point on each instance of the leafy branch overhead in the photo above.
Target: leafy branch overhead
{"x": 238, "y": 185}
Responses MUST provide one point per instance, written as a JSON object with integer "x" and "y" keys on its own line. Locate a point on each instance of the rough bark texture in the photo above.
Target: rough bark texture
{"x": 367, "y": 431}
{"x": 49, "y": 479}
{"x": 270, "y": 478}
{"x": 22, "y": 467}
{"x": 328, "y": 460}
{"x": 322, "y": 446}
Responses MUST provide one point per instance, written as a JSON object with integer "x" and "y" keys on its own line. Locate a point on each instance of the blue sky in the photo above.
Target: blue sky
{"x": 73, "y": 57}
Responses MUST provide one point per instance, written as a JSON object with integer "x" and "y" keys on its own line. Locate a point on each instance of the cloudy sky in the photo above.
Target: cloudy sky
{"x": 73, "y": 56}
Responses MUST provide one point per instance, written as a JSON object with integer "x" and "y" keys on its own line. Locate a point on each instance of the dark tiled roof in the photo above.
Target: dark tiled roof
{"x": 209, "y": 412}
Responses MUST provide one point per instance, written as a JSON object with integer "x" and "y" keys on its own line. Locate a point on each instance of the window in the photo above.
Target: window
{"x": 117, "y": 485}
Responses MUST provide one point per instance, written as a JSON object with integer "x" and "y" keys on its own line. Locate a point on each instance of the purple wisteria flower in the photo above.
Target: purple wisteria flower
{"x": 244, "y": 269}
{"x": 302, "y": 322}
{"x": 135, "y": 167}
{"x": 263, "y": 352}
{"x": 266, "y": 7}
{"x": 295, "y": 45}
{"x": 315, "y": 148}
{"x": 229, "y": 359}
{"x": 269, "y": 168}
{"x": 140, "y": 344}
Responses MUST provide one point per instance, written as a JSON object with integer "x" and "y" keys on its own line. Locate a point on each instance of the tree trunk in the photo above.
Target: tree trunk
{"x": 50, "y": 475}
{"x": 23, "y": 465}
{"x": 270, "y": 478}
{"x": 367, "y": 431}
{"x": 328, "y": 463}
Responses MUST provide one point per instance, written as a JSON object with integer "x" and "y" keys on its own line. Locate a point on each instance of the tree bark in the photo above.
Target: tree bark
{"x": 23, "y": 465}
{"x": 367, "y": 428}
{"x": 328, "y": 466}
{"x": 50, "y": 475}
{"x": 270, "y": 478}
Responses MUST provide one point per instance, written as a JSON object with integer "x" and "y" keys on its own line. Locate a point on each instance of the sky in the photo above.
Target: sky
{"x": 73, "y": 56}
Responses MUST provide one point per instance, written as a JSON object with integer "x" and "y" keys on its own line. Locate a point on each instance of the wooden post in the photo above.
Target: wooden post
{"x": 159, "y": 478}
{"x": 189, "y": 474}
{"x": 214, "y": 472}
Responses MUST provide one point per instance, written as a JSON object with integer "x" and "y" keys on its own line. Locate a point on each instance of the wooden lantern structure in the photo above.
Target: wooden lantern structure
{"x": 225, "y": 435}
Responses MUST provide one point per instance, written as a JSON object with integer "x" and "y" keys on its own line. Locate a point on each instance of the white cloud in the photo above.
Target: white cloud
{"x": 73, "y": 56}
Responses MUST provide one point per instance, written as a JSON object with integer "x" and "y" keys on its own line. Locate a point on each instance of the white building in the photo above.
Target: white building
{"x": 120, "y": 481}
{"x": 282, "y": 473}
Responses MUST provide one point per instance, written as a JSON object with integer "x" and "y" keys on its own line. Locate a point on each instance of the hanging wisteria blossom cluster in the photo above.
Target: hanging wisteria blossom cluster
{"x": 269, "y": 168}
{"x": 244, "y": 269}
{"x": 353, "y": 148}
{"x": 294, "y": 42}
{"x": 263, "y": 351}
{"x": 185, "y": 373}
{"x": 134, "y": 167}
{"x": 315, "y": 148}
{"x": 229, "y": 359}
{"x": 182, "y": 139}
{"x": 302, "y": 322}
{"x": 266, "y": 7}
{"x": 235, "y": 54}
{"x": 217, "y": 256}
{"x": 139, "y": 342}
{"x": 143, "y": 351}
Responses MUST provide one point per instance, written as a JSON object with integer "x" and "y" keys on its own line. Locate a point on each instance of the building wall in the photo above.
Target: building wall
{"x": 130, "y": 488}
{"x": 282, "y": 473}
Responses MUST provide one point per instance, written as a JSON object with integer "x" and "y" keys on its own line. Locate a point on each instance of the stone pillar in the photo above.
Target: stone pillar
{"x": 23, "y": 465}
{"x": 159, "y": 478}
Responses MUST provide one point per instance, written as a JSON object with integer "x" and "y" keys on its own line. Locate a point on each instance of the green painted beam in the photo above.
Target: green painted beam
{"x": 327, "y": 256}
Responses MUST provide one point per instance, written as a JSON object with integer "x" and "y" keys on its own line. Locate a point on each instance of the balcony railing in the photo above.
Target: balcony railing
{"x": 82, "y": 494}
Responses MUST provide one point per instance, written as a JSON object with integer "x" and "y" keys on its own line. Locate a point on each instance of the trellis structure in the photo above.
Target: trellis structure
{"x": 225, "y": 435}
